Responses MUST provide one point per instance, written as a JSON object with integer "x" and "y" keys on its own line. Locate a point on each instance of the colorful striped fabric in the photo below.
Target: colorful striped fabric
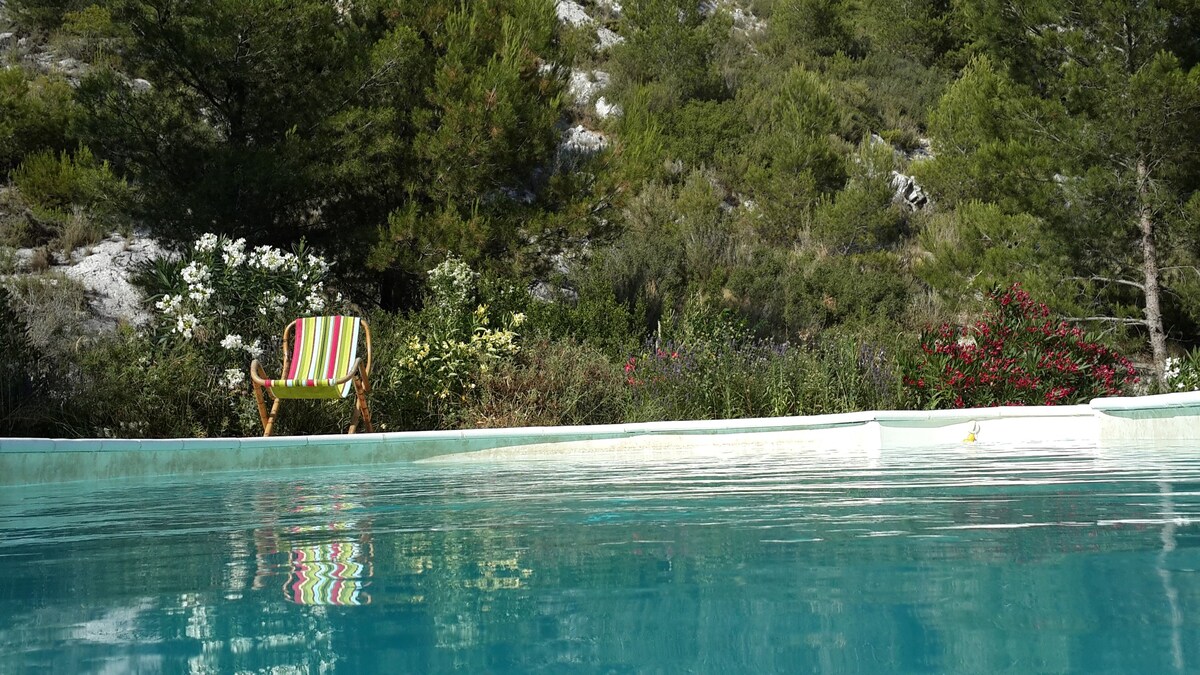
{"x": 324, "y": 350}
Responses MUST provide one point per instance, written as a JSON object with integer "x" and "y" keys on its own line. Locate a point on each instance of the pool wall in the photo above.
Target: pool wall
{"x": 1166, "y": 418}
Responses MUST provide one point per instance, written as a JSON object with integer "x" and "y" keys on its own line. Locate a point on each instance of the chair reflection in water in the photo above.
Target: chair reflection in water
{"x": 332, "y": 573}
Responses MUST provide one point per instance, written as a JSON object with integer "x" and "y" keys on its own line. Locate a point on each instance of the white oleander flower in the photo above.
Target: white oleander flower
{"x": 185, "y": 324}
{"x": 195, "y": 273}
{"x": 255, "y": 350}
{"x": 268, "y": 258}
{"x": 234, "y": 252}
{"x": 315, "y": 302}
{"x": 233, "y": 341}
{"x": 200, "y": 294}
{"x": 317, "y": 263}
{"x": 234, "y": 378}
{"x": 272, "y": 302}
{"x": 170, "y": 304}
{"x": 206, "y": 243}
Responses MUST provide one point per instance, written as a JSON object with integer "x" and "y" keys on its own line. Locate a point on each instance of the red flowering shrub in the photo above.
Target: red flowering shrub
{"x": 1015, "y": 355}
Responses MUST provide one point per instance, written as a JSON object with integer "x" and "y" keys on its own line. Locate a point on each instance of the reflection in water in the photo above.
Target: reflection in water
{"x": 1170, "y": 519}
{"x": 327, "y": 566}
{"x": 329, "y": 574}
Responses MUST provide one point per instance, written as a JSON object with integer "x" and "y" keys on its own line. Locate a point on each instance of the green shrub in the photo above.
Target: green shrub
{"x": 670, "y": 46}
{"x": 436, "y": 363}
{"x": 861, "y": 217}
{"x": 44, "y": 15}
{"x": 59, "y": 180}
{"x": 977, "y": 247}
{"x": 717, "y": 370}
{"x": 129, "y": 386}
{"x": 20, "y": 404}
{"x": 549, "y": 384}
{"x": 802, "y": 293}
{"x": 596, "y": 320}
{"x": 54, "y": 309}
{"x": 90, "y": 35}
{"x": 75, "y": 200}
{"x": 35, "y": 114}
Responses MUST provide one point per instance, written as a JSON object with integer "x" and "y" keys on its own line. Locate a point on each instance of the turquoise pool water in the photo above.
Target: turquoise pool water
{"x": 967, "y": 560}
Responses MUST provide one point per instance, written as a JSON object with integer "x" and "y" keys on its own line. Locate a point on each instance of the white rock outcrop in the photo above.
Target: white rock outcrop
{"x": 104, "y": 271}
{"x": 585, "y": 85}
{"x": 743, "y": 19}
{"x": 581, "y": 141}
{"x": 572, "y": 13}
{"x": 606, "y": 38}
{"x": 575, "y": 14}
{"x": 604, "y": 109}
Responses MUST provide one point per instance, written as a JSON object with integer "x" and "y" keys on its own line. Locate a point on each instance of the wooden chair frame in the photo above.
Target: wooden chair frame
{"x": 360, "y": 373}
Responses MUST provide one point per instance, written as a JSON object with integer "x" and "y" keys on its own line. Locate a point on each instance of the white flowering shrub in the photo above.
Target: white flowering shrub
{"x": 1183, "y": 373}
{"x": 455, "y": 343}
{"x": 232, "y": 304}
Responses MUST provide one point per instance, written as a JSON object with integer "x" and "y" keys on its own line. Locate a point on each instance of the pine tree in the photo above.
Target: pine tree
{"x": 1103, "y": 98}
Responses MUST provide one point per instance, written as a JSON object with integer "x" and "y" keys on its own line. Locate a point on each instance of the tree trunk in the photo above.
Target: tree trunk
{"x": 1158, "y": 339}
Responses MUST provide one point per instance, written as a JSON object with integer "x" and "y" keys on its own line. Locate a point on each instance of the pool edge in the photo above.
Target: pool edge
{"x": 1164, "y": 418}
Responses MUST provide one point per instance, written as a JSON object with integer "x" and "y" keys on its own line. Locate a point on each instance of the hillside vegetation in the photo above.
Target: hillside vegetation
{"x": 599, "y": 211}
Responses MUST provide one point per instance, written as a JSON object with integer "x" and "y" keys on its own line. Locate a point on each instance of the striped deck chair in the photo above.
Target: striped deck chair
{"x": 323, "y": 363}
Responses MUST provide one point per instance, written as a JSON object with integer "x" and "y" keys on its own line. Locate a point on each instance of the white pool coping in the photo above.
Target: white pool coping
{"x": 1165, "y": 419}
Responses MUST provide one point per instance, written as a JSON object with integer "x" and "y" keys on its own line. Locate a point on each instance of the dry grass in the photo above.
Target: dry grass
{"x": 53, "y": 307}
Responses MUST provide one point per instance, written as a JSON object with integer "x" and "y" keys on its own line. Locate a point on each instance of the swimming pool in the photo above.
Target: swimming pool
{"x": 940, "y": 559}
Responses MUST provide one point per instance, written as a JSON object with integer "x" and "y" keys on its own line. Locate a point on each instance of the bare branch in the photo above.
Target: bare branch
{"x": 1109, "y": 280}
{"x": 1180, "y": 267}
{"x": 1110, "y": 319}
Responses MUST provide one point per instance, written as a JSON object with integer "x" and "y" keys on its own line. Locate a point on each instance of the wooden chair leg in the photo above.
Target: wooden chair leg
{"x": 361, "y": 411}
{"x": 354, "y": 418}
{"x": 272, "y": 417}
{"x": 262, "y": 406}
{"x": 366, "y": 411}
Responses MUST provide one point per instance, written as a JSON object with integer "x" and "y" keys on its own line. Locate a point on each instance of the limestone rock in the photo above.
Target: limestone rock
{"x": 604, "y": 109}
{"x": 607, "y": 38}
{"x": 583, "y": 86}
{"x": 548, "y": 292}
{"x": 572, "y": 13}
{"x": 579, "y": 141}
{"x": 908, "y": 192}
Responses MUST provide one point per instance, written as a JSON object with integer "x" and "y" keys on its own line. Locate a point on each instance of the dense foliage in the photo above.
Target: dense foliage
{"x": 776, "y": 202}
